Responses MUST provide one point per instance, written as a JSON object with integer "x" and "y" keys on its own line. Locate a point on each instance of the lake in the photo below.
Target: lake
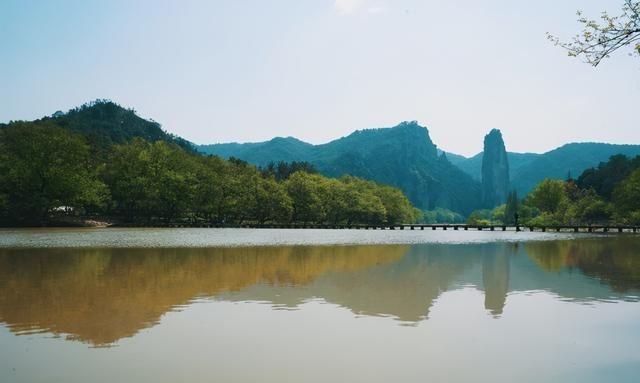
{"x": 241, "y": 305}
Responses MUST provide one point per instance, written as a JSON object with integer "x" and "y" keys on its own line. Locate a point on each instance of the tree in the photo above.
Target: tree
{"x": 151, "y": 180}
{"x": 599, "y": 39}
{"x": 43, "y": 167}
{"x": 608, "y": 175}
{"x": 589, "y": 208}
{"x": 548, "y": 196}
{"x": 210, "y": 189}
{"x": 396, "y": 204}
{"x": 126, "y": 179}
{"x": 626, "y": 197}
{"x": 480, "y": 217}
{"x": 511, "y": 208}
{"x": 282, "y": 170}
{"x": 306, "y": 191}
{"x": 272, "y": 201}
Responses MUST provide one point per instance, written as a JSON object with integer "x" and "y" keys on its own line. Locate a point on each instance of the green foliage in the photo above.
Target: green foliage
{"x": 44, "y": 167}
{"x": 306, "y": 192}
{"x": 480, "y": 217}
{"x": 272, "y": 201}
{"x": 498, "y": 214}
{"x": 588, "y": 208}
{"x": 607, "y": 175}
{"x": 440, "y": 215}
{"x": 626, "y": 198}
{"x": 511, "y": 209}
{"x": 149, "y": 180}
{"x": 545, "y": 219}
{"x": 282, "y": 170}
{"x": 548, "y": 197}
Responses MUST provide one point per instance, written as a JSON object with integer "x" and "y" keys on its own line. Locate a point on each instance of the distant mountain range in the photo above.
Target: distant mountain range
{"x": 527, "y": 169}
{"x": 406, "y": 157}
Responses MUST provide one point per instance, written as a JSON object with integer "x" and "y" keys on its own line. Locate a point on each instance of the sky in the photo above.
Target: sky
{"x": 241, "y": 70}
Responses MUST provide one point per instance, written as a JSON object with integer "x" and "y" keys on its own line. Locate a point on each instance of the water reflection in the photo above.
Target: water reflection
{"x": 99, "y": 296}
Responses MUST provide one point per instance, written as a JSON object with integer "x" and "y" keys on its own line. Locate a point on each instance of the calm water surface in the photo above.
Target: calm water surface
{"x": 196, "y": 306}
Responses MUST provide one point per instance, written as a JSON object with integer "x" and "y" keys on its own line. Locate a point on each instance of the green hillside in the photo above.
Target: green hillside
{"x": 104, "y": 123}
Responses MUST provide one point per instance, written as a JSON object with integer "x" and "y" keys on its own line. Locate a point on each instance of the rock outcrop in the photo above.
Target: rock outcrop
{"x": 495, "y": 170}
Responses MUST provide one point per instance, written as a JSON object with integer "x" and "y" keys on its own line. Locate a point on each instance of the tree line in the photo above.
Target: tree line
{"x": 46, "y": 170}
{"x": 608, "y": 194}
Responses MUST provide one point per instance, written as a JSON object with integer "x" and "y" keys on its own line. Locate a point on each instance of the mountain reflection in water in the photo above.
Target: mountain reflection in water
{"x": 99, "y": 296}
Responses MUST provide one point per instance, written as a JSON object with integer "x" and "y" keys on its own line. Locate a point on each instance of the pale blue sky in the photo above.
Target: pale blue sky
{"x": 240, "y": 70}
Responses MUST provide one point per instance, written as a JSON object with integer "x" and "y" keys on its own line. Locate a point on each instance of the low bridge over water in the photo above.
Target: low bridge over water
{"x": 457, "y": 227}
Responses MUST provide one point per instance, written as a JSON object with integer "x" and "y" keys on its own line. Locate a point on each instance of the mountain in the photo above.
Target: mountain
{"x": 105, "y": 123}
{"x": 527, "y": 169}
{"x": 402, "y": 156}
{"x": 570, "y": 159}
{"x": 286, "y": 149}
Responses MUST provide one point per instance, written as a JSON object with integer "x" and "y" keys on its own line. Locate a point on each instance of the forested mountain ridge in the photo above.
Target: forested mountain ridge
{"x": 403, "y": 156}
{"x": 104, "y": 123}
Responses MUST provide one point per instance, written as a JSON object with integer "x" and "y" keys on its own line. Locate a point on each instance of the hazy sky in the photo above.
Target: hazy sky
{"x": 239, "y": 70}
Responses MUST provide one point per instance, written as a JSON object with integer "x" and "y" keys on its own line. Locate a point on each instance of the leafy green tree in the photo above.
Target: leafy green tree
{"x": 545, "y": 219}
{"x": 397, "y": 206}
{"x": 45, "y": 167}
{"x": 498, "y": 214}
{"x": 439, "y": 215}
{"x": 169, "y": 181}
{"x": 511, "y": 208}
{"x": 335, "y": 202}
{"x": 151, "y": 180}
{"x": 272, "y": 201}
{"x": 210, "y": 188}
{"x": 125, "y": 175}
{"x": 362, "y": 205}
{"x": 599, "y": 39}
{"x": 306, "y": 191}
{"x": 589, "y": 208}
{"x": 549, "y": 196}
{"x": 608, "y": 175}
{"x": 480, "y": 217}
{"x": 626, "y": 197}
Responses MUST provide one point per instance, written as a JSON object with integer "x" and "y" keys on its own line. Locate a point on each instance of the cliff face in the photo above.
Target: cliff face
{"x": 403, "y": 156}
{"x": 495, "y": 170}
